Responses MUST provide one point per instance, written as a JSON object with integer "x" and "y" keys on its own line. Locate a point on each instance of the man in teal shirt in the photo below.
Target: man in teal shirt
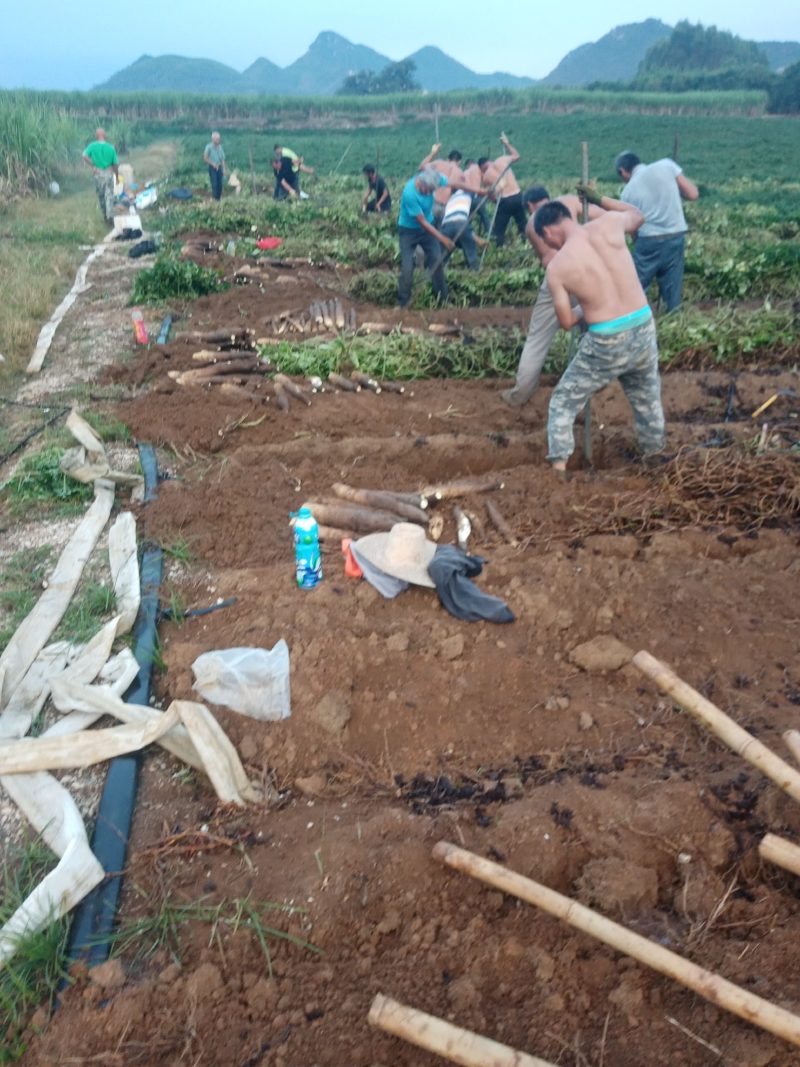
{"x": 415, "y": 228}
{"x": 102, "y": 158}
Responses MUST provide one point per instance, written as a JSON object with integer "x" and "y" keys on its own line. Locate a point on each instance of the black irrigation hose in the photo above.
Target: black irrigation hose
{"x": 28, "y": 437}
{"x": 90, "y": 935}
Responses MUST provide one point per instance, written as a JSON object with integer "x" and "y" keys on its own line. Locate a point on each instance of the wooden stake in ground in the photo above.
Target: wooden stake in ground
{"x": 451, "y": 1042}
{"x": 734, "y": 736}
{"x": 781, "y": 852}
{"x": 711, "y": 986}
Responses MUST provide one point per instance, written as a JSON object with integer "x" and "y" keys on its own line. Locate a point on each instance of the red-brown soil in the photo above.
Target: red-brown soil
{"x": 409, "y": 726}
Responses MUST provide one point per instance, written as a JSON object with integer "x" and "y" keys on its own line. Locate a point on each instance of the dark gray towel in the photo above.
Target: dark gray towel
{"x": 451, "y": 570}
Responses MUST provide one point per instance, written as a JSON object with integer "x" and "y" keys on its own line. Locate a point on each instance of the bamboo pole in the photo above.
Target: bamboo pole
{"x": 728, "y": 731}
{"x": 587, "y": 407}
{"x": 781, "y": 852}
{"x": 712, "y": 987}
{"x": 450, "y": 1042}
{"x": 792, "y": 741}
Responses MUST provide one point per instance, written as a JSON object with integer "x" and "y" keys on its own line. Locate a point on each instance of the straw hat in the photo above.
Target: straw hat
{"x": 404, "y": 552}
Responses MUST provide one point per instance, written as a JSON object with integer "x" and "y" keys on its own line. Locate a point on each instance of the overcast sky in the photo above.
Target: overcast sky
{"x": 52, "y": 44}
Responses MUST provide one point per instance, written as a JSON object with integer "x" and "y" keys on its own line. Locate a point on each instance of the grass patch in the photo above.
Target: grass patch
{"x": 165, "y": 929}
{"x": 39, "y": 480}
{"x": 180, "y": 550}
{"x": 107, "y": 427}
{"x": 33, "y": 975}
{"x": 170, "y": 277}
{"x": 21, "y": 580}
{"x": 92, "y": 605}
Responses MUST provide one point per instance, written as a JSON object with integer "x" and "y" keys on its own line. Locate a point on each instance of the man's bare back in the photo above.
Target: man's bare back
{"x": 507, "y": 184}
{"x": 593, "y": 264}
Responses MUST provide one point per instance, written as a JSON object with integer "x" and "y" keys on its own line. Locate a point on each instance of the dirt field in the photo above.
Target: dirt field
{"x": 409, "y": 726}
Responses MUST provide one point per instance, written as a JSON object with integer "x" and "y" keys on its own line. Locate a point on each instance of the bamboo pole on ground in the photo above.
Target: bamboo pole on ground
{"x": 781, "y": 852}
{"x": 733, "y": 735}
{"x": 792, "y": 741}
{"x": 451, "y": 1042}
{"x": 712, "y": 987}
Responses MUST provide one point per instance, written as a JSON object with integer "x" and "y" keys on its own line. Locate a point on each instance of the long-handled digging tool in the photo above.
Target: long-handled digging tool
{"x": 713, "y": 987}
{"x": 587, "y": 407}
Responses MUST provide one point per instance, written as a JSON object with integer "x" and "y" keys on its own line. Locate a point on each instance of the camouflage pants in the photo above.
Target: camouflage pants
{"x": 104, "y": 186}
{"x": 631, "y": 357}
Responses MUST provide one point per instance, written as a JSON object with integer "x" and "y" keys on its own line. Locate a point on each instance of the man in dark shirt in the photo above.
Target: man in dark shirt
{"x": 377, "y": 197}
{"x": 286, "y": 179}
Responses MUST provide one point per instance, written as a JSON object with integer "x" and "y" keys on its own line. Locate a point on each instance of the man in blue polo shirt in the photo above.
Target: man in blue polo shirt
{"x": 657, "y": 189}
{"x": 415, "y": 229}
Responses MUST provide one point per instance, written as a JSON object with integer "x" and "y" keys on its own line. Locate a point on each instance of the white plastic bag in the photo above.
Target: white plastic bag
{"x": 254, "y": 681}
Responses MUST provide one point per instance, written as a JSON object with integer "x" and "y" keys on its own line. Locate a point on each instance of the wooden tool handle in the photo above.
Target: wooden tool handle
{"x": 712, "y": 986}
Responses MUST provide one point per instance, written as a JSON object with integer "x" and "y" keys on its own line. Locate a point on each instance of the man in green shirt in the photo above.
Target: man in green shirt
{"x": 102, "y": 158}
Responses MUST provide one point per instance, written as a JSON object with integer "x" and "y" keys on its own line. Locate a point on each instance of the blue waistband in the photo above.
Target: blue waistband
{"x": 624, "y": 322}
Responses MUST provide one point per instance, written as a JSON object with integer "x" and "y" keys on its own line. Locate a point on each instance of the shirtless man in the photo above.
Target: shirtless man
{"x": 593, "y": 264}
{"x": 506, "y": 192}
{"x": 544, "y": 324}
{"x": 450, "y": 168}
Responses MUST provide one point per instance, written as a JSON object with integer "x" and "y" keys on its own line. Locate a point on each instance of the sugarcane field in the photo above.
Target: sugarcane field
{"x": 399, "y": 600}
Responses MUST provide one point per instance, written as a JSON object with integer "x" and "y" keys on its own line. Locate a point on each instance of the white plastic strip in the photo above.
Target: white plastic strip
{"x": 48, "y": 331}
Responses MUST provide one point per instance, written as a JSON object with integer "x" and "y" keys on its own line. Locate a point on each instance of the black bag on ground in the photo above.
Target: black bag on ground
{"x": 144, "y": 248}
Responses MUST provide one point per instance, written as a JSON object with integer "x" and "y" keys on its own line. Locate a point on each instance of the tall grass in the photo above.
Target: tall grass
{"x": 271, "y": 110}
{"x": 38, "y": 142}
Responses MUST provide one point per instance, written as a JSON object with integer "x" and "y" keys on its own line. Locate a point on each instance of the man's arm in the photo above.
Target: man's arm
{"x": 434, "y": 152}
{"x": 567, "y": 318}
{"x": 510, "y": 150}
{"x": 382, "y": 198}
{"x": 466, "y": 185}
{"x": 440, "y": 237}
{"x": 306, "y": 170}
{"x": 634, "y": 217}
{"x": 687, "y": 189}
{"x": 289, "y": 188}
{"x": 88, "y": 161}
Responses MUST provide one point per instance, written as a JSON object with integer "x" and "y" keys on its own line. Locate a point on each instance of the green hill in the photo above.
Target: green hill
{"x": 614, "y": 58}
{"x": 174, "y": 74}
{"x": 438, "y": 72}
{"x": 780, "y": 54}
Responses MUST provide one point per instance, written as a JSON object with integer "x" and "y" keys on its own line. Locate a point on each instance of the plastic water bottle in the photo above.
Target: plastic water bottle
{"x": 308, "y": 562}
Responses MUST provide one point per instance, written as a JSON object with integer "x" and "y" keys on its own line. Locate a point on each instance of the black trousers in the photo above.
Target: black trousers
{"x": 508, "y": 208}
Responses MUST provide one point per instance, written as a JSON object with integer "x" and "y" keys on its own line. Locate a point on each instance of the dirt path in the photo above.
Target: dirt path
{"x": 408, "y": 726}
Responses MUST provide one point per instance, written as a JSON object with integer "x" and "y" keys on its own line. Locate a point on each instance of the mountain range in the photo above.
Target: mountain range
{"x": 331, "y": 58}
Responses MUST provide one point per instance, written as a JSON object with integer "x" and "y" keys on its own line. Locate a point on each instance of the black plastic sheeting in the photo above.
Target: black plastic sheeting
{"x": 94, "y": 918}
